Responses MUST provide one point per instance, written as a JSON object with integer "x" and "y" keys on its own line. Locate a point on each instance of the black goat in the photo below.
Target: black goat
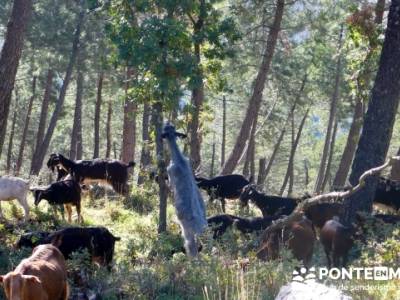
{"x": 223, "y": 187}
{"x": 67, "y": 192}
{"x": 269, "y": 205}
{"x": 220, "y": 223}
{"x": 388, "y": 193}
{"x": 112, "y": 172}
{"x": 99, "y": 242}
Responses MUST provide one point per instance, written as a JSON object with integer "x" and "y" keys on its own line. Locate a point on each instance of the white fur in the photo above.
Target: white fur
{"x": 14, "y": 188}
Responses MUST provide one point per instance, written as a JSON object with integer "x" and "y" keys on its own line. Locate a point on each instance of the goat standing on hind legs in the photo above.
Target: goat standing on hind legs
{"x": 189, "y": 204}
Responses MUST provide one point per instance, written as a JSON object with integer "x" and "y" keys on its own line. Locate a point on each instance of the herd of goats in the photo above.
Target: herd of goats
{"x": 43, "y": 275}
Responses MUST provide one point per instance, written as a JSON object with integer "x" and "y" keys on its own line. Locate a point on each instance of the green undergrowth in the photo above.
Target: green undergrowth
{"x": 148, "y": 265}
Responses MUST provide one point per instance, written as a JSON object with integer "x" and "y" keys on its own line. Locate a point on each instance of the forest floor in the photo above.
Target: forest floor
{"x": 146, "y": 268}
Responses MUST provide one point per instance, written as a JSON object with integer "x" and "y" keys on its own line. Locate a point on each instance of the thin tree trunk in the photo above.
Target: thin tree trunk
{"x": 212, "y": 160}
{"x": 223, "y": 145}
{"x": 363, "y": 82}
{"x": 157, "y": 120}
{"x": 145, "y": 158}
{"x": 97, "y": 112}
{"x": 250, "y": 150}
{"x": 9, "y": 58}
{"x": 306, "y": 173}
{"x": 291, "y": 166}
{"x": 42, "y": 118}
{"x": 12, "y": 133}
{"x": 262, "y": 162}
{"x": 328, "y": 174}
{"x": 108, "y": 128}
{"x": 129, "y": 127}
{"x": 332, "y": 115}
{"x": 255, "y": 100}
{"x": 379, "y": 119}
{"x": 26, "y": 127}
{"x": 76, "y": 136}
{"x": 198, "y": 90}
{"x": 60, "y": 101}
{"x": 350, "y": 148}
{"x": 293, "y": 153}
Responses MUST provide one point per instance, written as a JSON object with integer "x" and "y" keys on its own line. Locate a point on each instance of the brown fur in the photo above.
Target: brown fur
{"x": 42, "y": 276}
{"x": 321, "y": 212}
{"x": 337, "y": 240}
{"x": 299, "y": 237}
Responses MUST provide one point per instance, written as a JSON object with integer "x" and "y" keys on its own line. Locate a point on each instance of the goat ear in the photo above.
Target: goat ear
{"x": 57, "y": 240}
{"x": 32, "y": 278}
{"x": 117, "y": 238}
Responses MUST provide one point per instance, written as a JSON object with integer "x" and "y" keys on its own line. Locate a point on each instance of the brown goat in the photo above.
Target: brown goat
{"x": 42, "y": 276}
{"x": 337, "y": 241}
{"x": 299, "y": 236}
{"x": 319, "y": 213}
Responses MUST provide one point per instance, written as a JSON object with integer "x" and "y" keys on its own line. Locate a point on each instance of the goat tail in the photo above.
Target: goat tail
{"x": 131, "y": 164}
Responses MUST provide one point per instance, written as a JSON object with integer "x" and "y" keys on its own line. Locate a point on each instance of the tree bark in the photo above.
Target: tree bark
{"x": 9, "y": 58}
{"x": 379, "y": 11}
{"x": 379, "y": 120}
{"x": 395, "y": 171}
{"x": 26, "y": 127}
{"x": 262, "y": 162}
{"x": 145, "y": 158}
{"x": 248, "y": 168}
{"x": 157, "y": 120}
{"x": 330, "y": 158}
{"x": 332, "y": 115}
{"x": 255, "y": 100}
{"x": 198, "y": 90}
{"x": 290, "y": 167}
{"x": 129, "y": 127}
{"x": 12, "y": 133}
{"x": 97, "y": 112}
{"x": 42, "y": 118}
{"x": 38, "y": 161}
{"x": 361, "y": 100}
{"x": 76, "y": 136}
{"x": 108, "y": 129}
{"x": 212, "y": 160}
{"x": 223, "y": 145}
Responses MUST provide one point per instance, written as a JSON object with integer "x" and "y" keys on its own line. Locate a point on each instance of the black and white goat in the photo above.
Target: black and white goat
{"x": 14, "y": 188}
{"x": 223, "y": 187}
{"x": 65, "y": 192}
{"x": 269, "y": 205}
{"x": 189, "y": 204}
{"x": 112, "y": 172}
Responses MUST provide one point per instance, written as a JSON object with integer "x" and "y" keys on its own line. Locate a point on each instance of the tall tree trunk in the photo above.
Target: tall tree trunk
{"x": 250, "y": 151}
{"x": 212, "y": 160}
{"x": 261, "y": 178}
{"x": 12, "y": 133}
{"x": 26, "y": 127}
{"x": 350, "y": 148}
{"x": 332, "y": 115}
{"x": 262, "y": 162}
{"x": 223, "y": 145}
{"x": 60, "y": 101}
{"x": 198, "y": 90}
{"x": 255, "y": 100}
{"x": 363, "y": 82}
{"x": 42, "y": 118}
{"x": 306, "y": 173}
{"x": 9, "y": 58}
{"x": 108, "y": 128}
{"x": 145, "y": 158}
{"x": 330, "y": 158}
{"x": 129, "y": 127}
{"x": 97, "y": 112}
{"x": 379, "y": 120}
{"x": 76, "y": 136}
{"x": 293, "y": 153}
{"x": 157, "y": 120}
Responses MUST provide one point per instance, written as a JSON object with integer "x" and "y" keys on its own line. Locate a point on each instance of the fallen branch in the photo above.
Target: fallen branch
{"x": 328, "y": 197}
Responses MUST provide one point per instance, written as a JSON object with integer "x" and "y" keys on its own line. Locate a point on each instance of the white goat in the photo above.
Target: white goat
{"x": 14, "y": 188}
{"x": 189, "y": 205}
